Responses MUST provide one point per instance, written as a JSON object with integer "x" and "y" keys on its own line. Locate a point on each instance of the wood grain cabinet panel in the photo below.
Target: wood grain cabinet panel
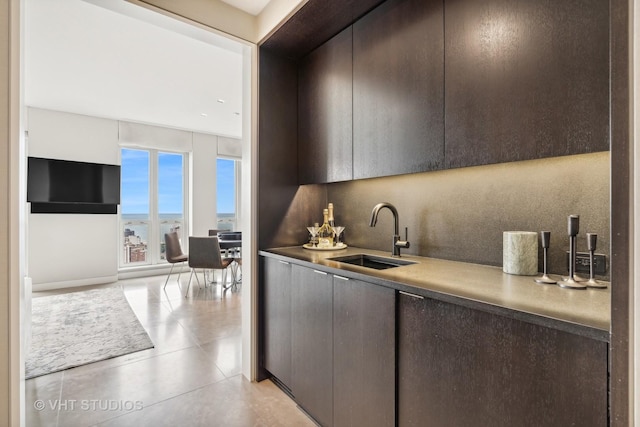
{"x": 312, "y": 342}
{"x": 364, "y": 354}
{"x": 462, "y": 367}
{"x": 277, "y": 319}
{"x": 525, "y": 79}
{"x": 398, "y": 85}
{"x": 325, "y": 112}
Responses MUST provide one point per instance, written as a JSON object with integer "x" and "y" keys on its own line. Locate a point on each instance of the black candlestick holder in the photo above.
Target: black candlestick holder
{"x": 571, "y": 282}
{"x": 592, "y": 238}
{"x": 545, "y": 237}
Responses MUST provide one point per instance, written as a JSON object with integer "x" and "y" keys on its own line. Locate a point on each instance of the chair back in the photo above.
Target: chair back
{"x": 173, "y": 250}
{"x": 204, "y": 252}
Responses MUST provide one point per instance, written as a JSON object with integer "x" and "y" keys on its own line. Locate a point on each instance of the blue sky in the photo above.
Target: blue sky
{"x": 134, "y": 197}
{"x": 135, "y": 183}
{"x": 226, "y": 186}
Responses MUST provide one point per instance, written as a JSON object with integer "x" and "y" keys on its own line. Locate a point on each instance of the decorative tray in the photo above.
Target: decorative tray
{"x": 330, "y": 248}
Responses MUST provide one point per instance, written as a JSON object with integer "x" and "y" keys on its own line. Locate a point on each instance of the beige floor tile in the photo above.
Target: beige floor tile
{"x": 191, "y": 377}
{"x": 145, "y": 382}
{"x": 41, "y": 397}
{"x": 234, "y": 402}
{"x": 226, "y": 353}
{"x": 151, "y": 313}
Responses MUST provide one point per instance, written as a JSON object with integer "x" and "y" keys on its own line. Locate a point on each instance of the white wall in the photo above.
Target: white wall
{"x": 203, "y": 184}
{"x": 634, "y": 312}
{"x": 229, "y": 147}
{"x": 55, "y": 134}
{"x": 73, "y": 249}
{"x": 148, "y": 136}
{"x": 11, "y": 307}
{"x": 249, "y": 218}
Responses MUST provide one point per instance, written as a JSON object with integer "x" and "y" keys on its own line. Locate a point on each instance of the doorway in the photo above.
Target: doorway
{"x": 242, "y": 112}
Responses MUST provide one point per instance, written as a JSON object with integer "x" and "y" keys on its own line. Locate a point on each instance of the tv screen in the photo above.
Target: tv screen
{"x": 64, "y": 186}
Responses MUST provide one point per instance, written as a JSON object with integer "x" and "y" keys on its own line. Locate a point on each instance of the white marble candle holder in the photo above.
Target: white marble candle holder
{"x": 520, "y": 253}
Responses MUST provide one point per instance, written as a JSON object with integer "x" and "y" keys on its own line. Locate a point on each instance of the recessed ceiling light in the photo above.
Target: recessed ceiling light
{"x": 204, "y": 114}
{"x": 221, "y": 101}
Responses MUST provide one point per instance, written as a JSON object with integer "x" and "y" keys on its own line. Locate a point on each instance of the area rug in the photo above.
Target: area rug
{"x": 78, "y": 328}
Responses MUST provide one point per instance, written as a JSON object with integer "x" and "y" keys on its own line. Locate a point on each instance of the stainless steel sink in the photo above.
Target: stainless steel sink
{"x": 372, "y": 261}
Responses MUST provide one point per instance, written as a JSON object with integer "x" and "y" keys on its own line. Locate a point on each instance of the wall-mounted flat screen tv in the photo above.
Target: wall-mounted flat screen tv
{"x": 64, "y": 186}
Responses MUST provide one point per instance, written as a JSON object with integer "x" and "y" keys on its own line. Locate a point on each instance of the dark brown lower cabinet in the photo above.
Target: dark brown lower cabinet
{"x": 363, "y": 354}
{"x": 463, "y": 367}
{"x": 277, "y": 319}
{"x": 312, "y": 342}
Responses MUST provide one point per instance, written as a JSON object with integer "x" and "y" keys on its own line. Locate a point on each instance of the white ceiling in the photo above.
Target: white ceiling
{"x": 84, "y": 58}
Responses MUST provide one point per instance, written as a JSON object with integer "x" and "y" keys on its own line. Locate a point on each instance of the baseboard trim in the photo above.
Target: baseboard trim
{"x": 146, "y": 271}
{"x": 74, "y": 283}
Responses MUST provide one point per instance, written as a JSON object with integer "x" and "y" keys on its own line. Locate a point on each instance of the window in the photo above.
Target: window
{"x": 227, "y": 191}
{"x": 152, "y": 203}
{"x": 134, "y": 205}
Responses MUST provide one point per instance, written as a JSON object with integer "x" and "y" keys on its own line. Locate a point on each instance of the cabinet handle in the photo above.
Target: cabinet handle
{"x": 411, "y": 295}
{"x": 320, "y": 272}
{"x": 340, "y": 277}
{"x": 284, "y": 262}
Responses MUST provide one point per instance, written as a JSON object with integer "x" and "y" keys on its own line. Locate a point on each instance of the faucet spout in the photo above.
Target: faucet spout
{"x": 397, "y": 243}
{"x": 394, "y": 211}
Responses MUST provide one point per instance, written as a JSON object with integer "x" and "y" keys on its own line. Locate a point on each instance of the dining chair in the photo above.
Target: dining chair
{"x": 173, "y": 253}
{"x": 204, "y": 253}
{"x": 236, "y": 270}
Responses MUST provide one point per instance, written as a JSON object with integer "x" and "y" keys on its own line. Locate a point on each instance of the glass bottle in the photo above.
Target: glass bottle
{"x": 330, "y": 218}
{"x": 331, "y": 222}
{"x": 325, "y": 234}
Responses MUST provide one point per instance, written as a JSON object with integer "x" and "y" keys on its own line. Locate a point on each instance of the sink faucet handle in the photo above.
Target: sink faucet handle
{"x": 403, "y": 243}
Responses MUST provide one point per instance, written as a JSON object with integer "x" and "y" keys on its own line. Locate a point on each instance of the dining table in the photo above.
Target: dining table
{"x": 230, "y": 240}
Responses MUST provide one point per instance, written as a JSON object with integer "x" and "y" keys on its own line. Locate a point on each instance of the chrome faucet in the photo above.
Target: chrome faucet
{"x": 397, "y": 243}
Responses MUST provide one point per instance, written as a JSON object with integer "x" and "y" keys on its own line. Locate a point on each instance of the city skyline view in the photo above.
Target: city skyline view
{"x": 136, "y": 188}
{"x": 135, "y": 183}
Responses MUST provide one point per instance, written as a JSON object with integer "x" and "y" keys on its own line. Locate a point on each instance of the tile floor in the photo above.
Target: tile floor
{"x": 191, "y": 378}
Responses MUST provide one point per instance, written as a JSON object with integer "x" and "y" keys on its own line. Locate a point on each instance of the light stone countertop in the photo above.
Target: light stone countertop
{"x": 481, "y": 287}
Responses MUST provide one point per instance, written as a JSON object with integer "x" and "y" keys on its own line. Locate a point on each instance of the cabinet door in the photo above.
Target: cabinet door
{"x": 325, "y": 112}
{"x": 462, "y": 367}
{"x": 398, "y": 71}
{"x": 525, "y": 79}
{"x": 277, "y": 319}
{"x": 312, "y": 342}
{"x": 363, "y": 354}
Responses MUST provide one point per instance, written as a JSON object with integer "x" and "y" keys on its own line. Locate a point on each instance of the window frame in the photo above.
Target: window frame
{"x": 154, "y": 240}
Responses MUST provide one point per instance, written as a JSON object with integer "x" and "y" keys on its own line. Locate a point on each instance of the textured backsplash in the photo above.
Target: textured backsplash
{"x": 460, "y": 214}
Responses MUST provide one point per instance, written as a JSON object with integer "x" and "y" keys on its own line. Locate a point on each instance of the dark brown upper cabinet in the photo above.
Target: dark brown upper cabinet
{"x": 325, "y": 112}
{"x": 525, "y": 79}
{"x": 398, "y": 73}
{"x": 415, "y": 86}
